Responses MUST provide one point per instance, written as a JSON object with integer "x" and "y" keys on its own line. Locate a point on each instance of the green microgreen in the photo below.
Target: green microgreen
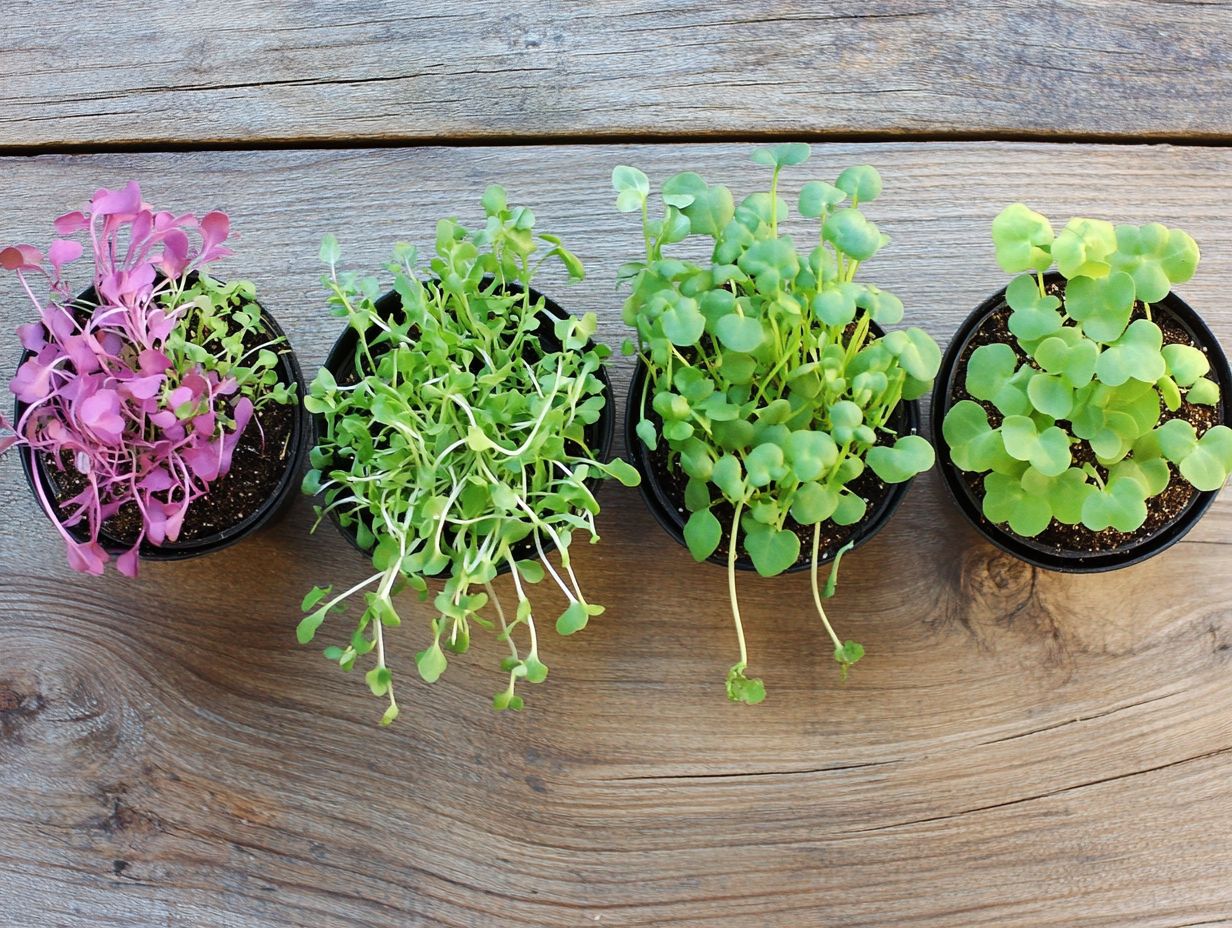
{"x": 455, "y": 445}
{"x": 766, "y": 383}
{"x": 1093, "y": 374}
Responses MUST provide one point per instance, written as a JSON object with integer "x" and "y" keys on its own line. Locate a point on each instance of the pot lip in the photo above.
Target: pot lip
{"x": 672, "y": 523}
{"x": 1068, "y": 561}
{"x": 34, "y": 467}
{"x": 344, "y": 348}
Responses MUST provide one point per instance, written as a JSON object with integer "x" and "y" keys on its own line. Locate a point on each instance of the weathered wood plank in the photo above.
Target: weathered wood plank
{"x": 246, "y": 72}
{"x": 1018, "y": 749}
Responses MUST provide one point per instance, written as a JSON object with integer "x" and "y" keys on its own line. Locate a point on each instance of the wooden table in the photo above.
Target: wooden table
{"x": 1019, "y": 748}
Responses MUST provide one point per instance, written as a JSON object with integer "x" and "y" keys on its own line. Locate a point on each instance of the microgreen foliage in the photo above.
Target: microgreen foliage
{"x": 1092, "y": 374}
{"x": 146, "y": 386}
{"x": 456, "y": 445}
{"x": 767, "y": 386}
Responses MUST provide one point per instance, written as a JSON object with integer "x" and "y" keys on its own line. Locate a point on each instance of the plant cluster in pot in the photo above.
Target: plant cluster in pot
{"x": 462, "y": 421}
{"x": 1080, "y": 413}
{"x": 158, "y": 411}
{"x": 772, "y": 418}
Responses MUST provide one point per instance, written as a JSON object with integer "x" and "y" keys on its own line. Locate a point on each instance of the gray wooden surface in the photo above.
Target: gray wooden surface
{"x": 251, "y": 72}
{"x": 1020, "y": 748}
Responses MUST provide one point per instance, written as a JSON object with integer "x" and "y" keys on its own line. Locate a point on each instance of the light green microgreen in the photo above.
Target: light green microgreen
{"x": 1085, "y": 371}
{"x": 765, "y": 382}
{"x": 455, "y": 445}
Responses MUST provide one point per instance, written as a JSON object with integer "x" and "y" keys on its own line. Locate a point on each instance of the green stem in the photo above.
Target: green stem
{"x": 816, "y": 590}
{"x": 731, "y": 584}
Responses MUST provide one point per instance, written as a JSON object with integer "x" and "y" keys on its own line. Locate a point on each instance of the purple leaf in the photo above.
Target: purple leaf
{"x": 89, "y": 558}
{"x": 63, "y": 251}
{"x": 126, "y": 563}
{"x": 76, "y": 221}
{"x": 32, "y": 383}
{"x": 153, "y": 362}
{"x": 157, "y": 481}
{"x": 8, "y": 437}
{"x": 126, "y": 202}
{"x": 175, "y": 253}
{"x": 215, "y": 227}
{"x": 143, "y": 388}
{"x": 33, "y": 336}
{"x": 100, "y": 413}
{"x": 20, "y": 258}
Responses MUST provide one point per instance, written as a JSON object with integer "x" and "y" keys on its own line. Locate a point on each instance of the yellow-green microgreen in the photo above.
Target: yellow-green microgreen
{"x": 456, "y": 445}
{"x": 1090, "y": 375}
{"x": 768, "y": 386}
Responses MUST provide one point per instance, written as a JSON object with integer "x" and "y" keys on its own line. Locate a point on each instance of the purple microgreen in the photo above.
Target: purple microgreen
{"x": 108, "y": 376}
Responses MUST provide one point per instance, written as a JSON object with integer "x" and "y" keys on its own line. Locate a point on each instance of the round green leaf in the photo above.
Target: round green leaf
{"x": 1083, "y": 247}
{"x": 810, "y": 453}
{"x": 1185, "y": 363}
{"x": 850, "y": 509}
{"x": 836, "y": 305}
{"x": 771, "y": 550}
{"x": 765, "y": 464}
{"x": 1074, "y": 362}
{"x": 908, "y": 456}
{"x": 787, "y": 153}
{"x": 1051, "y": 395}
{"x": 851, "y": 233}
{"x": 816, "y": 197}
{"x": 813, "y": 503}
{"x": 702, "y": 534}
{"x": 1136, "y": 354}
{"x": 916, "y": 351}
{"x": 1047, "y": 451}
{"x": 682, "y": 323}
{"x": 740, "y": 333}
{"x": 1034, "y": 314}
{"x": 1120, "y": 505}
{"x": 1204, "y": 391}
{"x": 1022, "y": 239}
{"x": 1103, "y": 305}
{"x": 1006, "y": 502}
{"x": 1207, "y": 466}
{"x": 860, "y": 182}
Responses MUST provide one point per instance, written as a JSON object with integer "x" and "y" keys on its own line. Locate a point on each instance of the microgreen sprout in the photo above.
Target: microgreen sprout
{"x": 144, "y": 386}
{"x": 766, "y": 383}
{"x": 456, "y": 444}
{"x": 1085, "y": 376}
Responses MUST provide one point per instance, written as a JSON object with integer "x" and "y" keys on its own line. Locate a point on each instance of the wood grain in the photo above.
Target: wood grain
{"x": 245, "y": 72}
{"x": 1020, "y": 748}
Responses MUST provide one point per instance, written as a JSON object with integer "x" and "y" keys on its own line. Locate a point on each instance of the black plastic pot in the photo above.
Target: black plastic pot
{"x": 36, "y": 467}
{"x": 1027, "y": 549}
{"x": 671, "y": 514}
{"x": 341, "y": 359}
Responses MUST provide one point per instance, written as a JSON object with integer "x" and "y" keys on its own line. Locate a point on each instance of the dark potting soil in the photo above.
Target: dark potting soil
{"x": 257, "y": 466}
{"x": 868, "y": 486}
{"x": 1161, "y": 510}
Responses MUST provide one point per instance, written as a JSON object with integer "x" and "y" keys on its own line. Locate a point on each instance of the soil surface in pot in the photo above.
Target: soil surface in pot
{"x": 1162, "y": 510}
{"x": 868, "y": 486}
{"x": 257, "y": 467}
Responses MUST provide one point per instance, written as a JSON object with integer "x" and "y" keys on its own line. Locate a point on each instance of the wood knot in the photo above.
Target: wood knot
{"x": 9, "y": 698}
{"x": 997, "y": 579}
{"x": 19, "y": 703}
